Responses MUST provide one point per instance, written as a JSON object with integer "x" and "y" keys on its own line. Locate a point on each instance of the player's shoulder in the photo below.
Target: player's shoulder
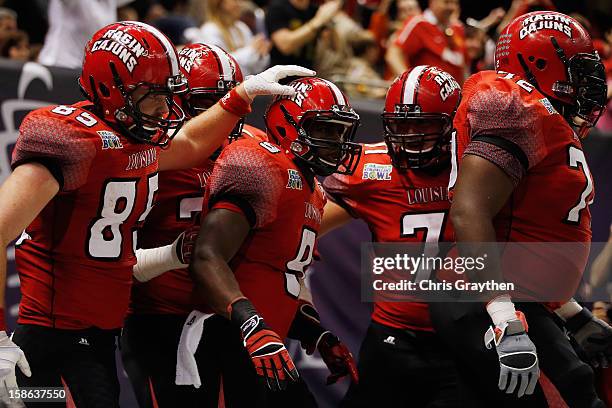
{"x": 252, "y": 132}
{"x": 248, "y": 153}
{"x": 505, "y": 95}
{"x": 374, "y": 163}
{"x": 68, "y": 122}
{"x": 501, "y": 85}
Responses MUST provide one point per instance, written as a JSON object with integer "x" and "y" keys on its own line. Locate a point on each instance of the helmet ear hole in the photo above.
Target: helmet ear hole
{"x": 531, "y": 58}
{"x": 104, "y": 90}
{"x": 540, "y": 64}
{"x": 281, "y": 131}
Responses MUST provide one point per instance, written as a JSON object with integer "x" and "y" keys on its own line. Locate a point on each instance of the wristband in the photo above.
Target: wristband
{"x": 577, "y": 322}
{"x": 568, "y": 310}
{"x": 501, "y": 309}
{"x": 230, "y": 306}
{"x": 233, "y": 103}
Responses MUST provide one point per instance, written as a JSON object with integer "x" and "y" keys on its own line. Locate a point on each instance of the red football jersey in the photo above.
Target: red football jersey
{"x": 409, "y": 206}
{"x": 505, "y": 120}
{"x": 424, "y": 43}
{"x": 75, "y": 259}
{"x": 284, "y": 205}
{"x": 179, "y": 200}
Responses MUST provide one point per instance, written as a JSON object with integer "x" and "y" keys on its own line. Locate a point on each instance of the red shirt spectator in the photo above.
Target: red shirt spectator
{"x": 423, "y": 40}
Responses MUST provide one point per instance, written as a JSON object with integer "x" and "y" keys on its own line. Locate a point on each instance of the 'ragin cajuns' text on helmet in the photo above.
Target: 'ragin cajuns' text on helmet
{"x": 555, "y": 54}
{"x": 211, "y": 72}
{"x": 317, "y": 125}
{"x": 418, "y": 117}
{"x": 130, "y": 56}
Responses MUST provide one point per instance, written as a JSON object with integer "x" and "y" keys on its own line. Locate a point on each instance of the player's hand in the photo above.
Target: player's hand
{"x": 593, "y": 335}
{"x": 266, "y": 349}
{"x": 185, "y": 243}
{"x": 11, "y": 355}
{"x": 518, "y": 360}
{"x": 306, "y": 327}
{"x": 338, "y": 358}
{"x": 266, "y": 83}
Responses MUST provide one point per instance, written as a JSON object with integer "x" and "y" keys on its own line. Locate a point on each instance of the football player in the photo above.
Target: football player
{"x": 520, "y": 175}
{"x": 160, "y": 305}
{"x": 84, "y": 178}
{"x": 400, "y": 189}
{"x": 261, "y": 213}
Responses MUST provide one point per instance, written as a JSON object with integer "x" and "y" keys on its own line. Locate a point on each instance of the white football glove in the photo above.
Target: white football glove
{"x": 266, "y": 83}
{"x": 11, "y": 355}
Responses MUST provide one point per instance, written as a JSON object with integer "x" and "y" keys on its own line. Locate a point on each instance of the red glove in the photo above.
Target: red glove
{"x": 338, "y": 358}
{"x": 306, "y": 328}
{"x": 266, "y": 348}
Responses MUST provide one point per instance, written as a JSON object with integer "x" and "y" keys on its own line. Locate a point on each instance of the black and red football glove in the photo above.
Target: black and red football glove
{"x": 306, "y": 328}
{"x": 185, "y": 243}
{"x": 268, "y": 353}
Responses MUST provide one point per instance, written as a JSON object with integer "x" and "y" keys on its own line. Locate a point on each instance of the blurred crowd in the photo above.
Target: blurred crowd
{"x": 359, "y": 44}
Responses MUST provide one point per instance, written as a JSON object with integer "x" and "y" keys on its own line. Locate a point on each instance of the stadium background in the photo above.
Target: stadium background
{"x": 26, "y": 87}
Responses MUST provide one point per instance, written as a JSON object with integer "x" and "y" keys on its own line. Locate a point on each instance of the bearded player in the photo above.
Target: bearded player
{"x": 261, "y": 214}
{"x": 160, "y": 304}
{"x": 400, "y": 189}
{"x": 520, "y": 175}
{"x": 84, "y": 178}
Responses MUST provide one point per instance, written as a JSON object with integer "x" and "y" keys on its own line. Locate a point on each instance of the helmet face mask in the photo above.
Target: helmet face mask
{"x": 416, "y": 141}
{"x": 328, "y": 137}
{"x": 587, "y": 86}
{"x": 555, "y": 54}
{"x": 418, "y": 118}
{"x": 317, "y": 126}
{"x": 131, "y": 75}
{"x": 152, "y": 113}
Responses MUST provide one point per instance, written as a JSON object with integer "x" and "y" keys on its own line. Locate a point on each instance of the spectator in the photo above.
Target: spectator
{"x": 381, "y": 24}
{"x": 175, "y": 21}
{"x": 15, "y": 45}
{"x": 8, "y": 21}
{"x": 430, "y": 39}
{"x": 224, "y": 29}
{"x": 333, "y": 52}
{"x": 600, "y": 311}
{"x": 293, "y": 26}
{"x": 71, "y": 25}
{"x": 361, "y": 78}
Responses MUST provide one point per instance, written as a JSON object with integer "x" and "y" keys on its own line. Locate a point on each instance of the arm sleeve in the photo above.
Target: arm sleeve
{"x": 506, "y": 130}
{"x": 56, "y": 145}
{"x": 245, "y": 178}
{"x": 339, "y": 190}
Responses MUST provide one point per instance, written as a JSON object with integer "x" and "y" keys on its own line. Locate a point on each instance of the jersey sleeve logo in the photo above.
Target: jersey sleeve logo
{"x": 295, "y": 180}
{"x": 109, "y": 140}
{"x": 549, "y": 107}
{"x": 374, "y": 171}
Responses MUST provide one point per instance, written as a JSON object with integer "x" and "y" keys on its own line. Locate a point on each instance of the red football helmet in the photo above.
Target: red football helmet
{"x": 418, "y": 117}
{"x": 211, "y": 73}
{"x": 130, "y": 56}
{"x": 556, "y": 55}
{"x": 317, "y": 125}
